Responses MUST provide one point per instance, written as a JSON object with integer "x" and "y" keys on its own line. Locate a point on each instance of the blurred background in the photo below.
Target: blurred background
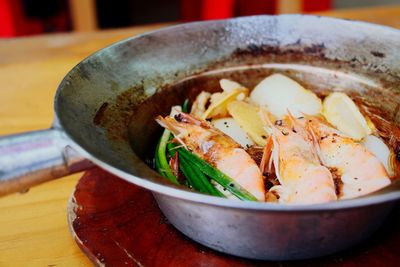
{"x": 30, "y": 17}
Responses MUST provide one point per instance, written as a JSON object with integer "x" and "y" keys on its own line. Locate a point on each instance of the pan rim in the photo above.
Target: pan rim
{"x": 175, "y": 192}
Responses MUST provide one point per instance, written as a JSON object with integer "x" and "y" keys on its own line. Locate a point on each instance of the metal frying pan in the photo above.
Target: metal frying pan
{"x": 105, "y": 109}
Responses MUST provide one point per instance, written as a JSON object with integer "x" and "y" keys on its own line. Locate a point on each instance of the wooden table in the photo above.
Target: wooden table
{"x": 33, "y": 226}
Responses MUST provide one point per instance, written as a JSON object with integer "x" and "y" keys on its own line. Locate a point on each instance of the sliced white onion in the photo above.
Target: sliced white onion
{"x": 377, "y": 147}
{"x": 280, "y": 94}
{"x": 229, "y": 85}
{"x": 231, "y": 128}
{"x": 340, "y": 110}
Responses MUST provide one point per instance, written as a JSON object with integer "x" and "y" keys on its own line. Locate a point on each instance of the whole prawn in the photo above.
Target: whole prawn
{"x": 218, "y": 149}
{"x": 359, "y": 170}
{"x": 303, "y": 180}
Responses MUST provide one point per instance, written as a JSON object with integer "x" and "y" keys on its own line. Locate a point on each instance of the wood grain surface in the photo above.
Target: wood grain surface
{"x": 33, "y": 227}
{"x": 120, "y": 224}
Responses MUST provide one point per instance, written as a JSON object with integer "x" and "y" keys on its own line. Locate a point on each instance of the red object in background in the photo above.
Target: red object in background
{"x": 220, "y": 9}
{"x": 255, "y": 7}
{"x": 6, "y": 19}
{"x": 15, "y": 22}
{"x": 189, "y": 10}
{"x": 321, "y": 5}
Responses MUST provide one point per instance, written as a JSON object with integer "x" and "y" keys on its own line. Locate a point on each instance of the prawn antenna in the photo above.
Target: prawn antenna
{"x": 165, "y": 122}
{"x": 266, "y": 157}
{"x": 301, "y": 129}
{"x": 269, "y": 128}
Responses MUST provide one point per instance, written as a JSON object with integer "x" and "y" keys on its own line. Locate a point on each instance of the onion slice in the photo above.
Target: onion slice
{"x": 377, "y": 147}
{"x": 340, "y": 110}
{"x": 281, "y": 94}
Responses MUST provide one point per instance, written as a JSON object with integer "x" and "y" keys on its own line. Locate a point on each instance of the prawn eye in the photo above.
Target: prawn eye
{"x": 178, "y": 117}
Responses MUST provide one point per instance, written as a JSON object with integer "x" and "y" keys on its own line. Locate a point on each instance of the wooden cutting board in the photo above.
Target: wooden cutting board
{"x": 116, "y": 223}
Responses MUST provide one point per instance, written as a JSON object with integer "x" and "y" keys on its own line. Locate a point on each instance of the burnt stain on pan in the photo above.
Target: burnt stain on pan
{"x": 315, "y": 49}
{"x": 315, "y": 53}
{"x": 378, "y": 54}
{"x": 100, "y": 114}
{"x": 295, "y": 49}
{"x": 114, "y": 117}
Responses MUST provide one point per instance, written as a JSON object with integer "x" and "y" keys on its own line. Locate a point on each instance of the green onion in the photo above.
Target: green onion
{"x": 194, "y": 176}
{"x": 185, "y": 106}
{"x": 156, "y": 159}
{"x": 190, "y": 175}
{"x": 199, "y": 178}
{"x": 164, "y": 168}
{"x": 217, "y": 175}
{"x": 171, "y": 148}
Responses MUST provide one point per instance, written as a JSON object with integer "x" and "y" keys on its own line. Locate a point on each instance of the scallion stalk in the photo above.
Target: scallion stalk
{"x": 185, "y": 106}
{"x": 190, "y": 175}
{"x": 194, "y": 176}
{"x": 202, "y": 178}
{"x": 217, "y": 175}
{"x": 161, "y": 156}
{"x": 156, "y": 159}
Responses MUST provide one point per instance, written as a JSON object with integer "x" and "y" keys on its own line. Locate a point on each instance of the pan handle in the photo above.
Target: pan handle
{"x": 32, "y": 158}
